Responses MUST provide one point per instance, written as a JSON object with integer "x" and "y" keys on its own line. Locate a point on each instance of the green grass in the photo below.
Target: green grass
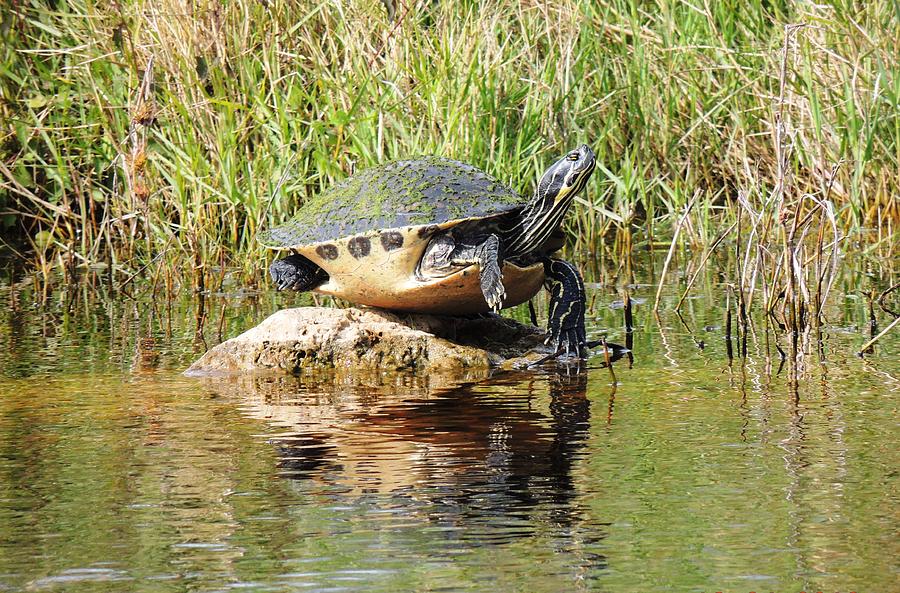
{"x": 678, "y": 100}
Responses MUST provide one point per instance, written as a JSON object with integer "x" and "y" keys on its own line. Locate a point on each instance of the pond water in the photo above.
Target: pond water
{"x": 692, "y": 471}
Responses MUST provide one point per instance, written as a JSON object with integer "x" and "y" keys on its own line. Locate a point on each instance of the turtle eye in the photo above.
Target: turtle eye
{"x": 573, "y": 156}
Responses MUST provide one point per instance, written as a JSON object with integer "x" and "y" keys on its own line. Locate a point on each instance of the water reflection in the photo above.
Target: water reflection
{"x": 491, "y": 461}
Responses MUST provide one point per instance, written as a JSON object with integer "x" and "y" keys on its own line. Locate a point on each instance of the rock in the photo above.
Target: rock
{"x": 292, "y": 340}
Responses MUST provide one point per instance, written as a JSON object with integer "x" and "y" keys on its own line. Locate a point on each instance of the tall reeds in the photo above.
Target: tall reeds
{"x": 134, "y": 129}
{"x": 787, "y": 234}
{"x": 788, "y": 240}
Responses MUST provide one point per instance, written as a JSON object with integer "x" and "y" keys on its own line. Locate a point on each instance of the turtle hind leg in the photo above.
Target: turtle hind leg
{"x": 567, "y": 302}
{"x": 297, "y": 273}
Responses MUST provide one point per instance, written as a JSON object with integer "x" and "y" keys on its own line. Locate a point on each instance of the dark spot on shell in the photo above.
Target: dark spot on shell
{"x": 359, "y": 247}
{"x": 426, "y": 231}
{"x": 327, "y": 251}
{"x": 391, "y": 240}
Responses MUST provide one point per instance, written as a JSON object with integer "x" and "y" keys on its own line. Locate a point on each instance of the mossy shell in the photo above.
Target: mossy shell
{"x": 427, "y": 190}
{"x": 369, "y": 234}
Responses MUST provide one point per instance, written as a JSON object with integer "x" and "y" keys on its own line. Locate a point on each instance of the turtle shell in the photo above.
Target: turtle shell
{"x": 423, "y": 191}
{"x": 369, "y": 234}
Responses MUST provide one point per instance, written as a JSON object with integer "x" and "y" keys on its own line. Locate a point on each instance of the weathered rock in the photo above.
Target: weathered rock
{"x": 315, "y": 337}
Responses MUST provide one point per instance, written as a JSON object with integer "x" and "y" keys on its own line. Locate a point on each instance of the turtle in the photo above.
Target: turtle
{"x": 435, "y": 235}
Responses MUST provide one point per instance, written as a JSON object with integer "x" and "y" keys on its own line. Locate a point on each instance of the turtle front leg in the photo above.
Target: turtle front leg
{"x": 487, "y": 255}
{"x": 567, "y": 302}
{"x": 297, "y": 273}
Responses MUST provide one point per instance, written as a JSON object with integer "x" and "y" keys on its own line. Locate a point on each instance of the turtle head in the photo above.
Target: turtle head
{"x": 567, "y": 176}
{"x": 554, "y": 192}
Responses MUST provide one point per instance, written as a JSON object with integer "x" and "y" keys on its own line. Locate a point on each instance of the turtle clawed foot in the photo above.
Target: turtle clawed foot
{"x": 568, "y": 342}
{"x": 495, "y": 297}
{"x": 283, "y": 282}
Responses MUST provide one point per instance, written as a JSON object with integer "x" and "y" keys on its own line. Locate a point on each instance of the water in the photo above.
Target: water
{"x": 690, "y": 473}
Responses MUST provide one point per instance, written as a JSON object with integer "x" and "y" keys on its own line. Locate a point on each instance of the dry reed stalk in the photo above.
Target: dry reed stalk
{"x": 729, "y": 352}
{"x": 881, "y": 334}
{"x": 676, "y": 232}
{"x": 703, "y": 261}
{"x": 782, "y": 156}
{"x": 607, "y": 360}
{"x": 884, "y": 294}
{"x": 746, "y": 285}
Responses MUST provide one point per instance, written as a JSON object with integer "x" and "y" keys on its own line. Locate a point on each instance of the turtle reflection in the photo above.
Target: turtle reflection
{"x": 498, "y": 453}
